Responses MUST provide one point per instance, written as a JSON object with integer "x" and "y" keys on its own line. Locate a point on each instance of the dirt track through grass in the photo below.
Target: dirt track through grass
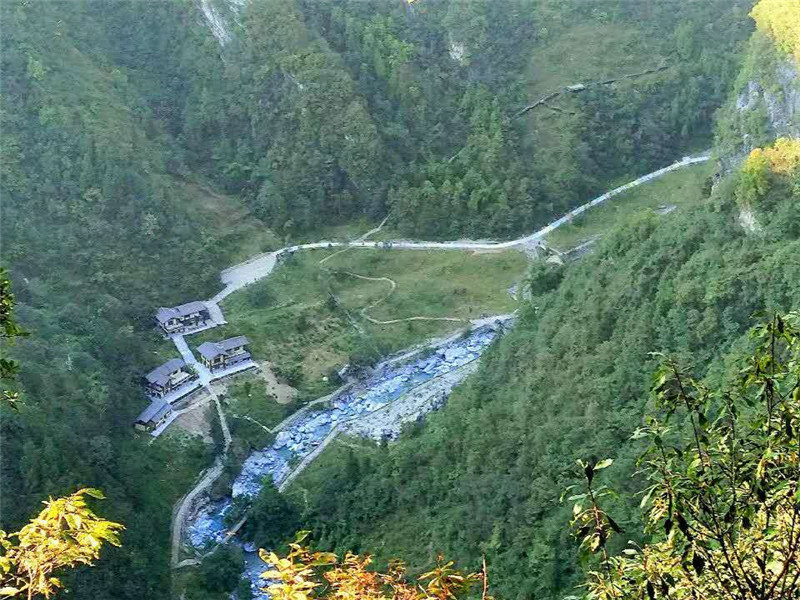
{"x": 393, "y": 285}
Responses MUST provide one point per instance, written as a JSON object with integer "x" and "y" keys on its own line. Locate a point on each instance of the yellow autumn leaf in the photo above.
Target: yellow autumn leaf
{"x": 780, "y": 19}
{"x": 783, "y": 157}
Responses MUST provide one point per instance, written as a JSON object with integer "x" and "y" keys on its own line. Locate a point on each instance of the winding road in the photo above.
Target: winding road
{"x": 262, "y": 265}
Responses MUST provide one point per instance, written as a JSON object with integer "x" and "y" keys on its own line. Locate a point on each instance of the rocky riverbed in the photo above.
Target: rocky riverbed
{"x": 387, "y": 383}
{"x": 394, "y": 393}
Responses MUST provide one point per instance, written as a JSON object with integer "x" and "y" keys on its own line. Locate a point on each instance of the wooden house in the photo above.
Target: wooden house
{"x": 224, "y": 354}
{"x": 154, "y": 415}
{"x": 182, "y": 318}
{"x": 167, "y": 378}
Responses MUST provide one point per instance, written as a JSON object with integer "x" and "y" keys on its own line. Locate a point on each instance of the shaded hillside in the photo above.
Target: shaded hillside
{"x": 329, "y": 110}
{"x": 571, "y": 381}
{"x": 99, "y": 227}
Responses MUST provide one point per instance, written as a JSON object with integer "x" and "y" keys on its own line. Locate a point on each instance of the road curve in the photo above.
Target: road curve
{"x": 260, "y": 266}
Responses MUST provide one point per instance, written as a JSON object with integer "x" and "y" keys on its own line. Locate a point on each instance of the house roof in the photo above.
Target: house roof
{"x": 154, "y": 412}
{"x": 162, "y": 412}
{"x": 234, "y": 342}
{"x": 164, "y": 314}
{"x": 161, "y": 374}
{"x": 211, "y": 350}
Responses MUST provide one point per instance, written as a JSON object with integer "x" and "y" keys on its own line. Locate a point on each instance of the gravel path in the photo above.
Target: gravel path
{"x": 185, "y": 504}
{"x": 393, "y": 286}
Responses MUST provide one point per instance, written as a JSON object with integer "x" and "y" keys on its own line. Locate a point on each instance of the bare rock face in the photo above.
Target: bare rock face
{"x": 765, "y": 108}
{"x": 784, "y": 107}
{"x": 748, "y": 99}
{"x": 747, "y": 219}
{"x": 221, "y": 16}
{"x": 782, "y": 101}
{"x": 776, "y": 93}
{"x": 458, "y": 52}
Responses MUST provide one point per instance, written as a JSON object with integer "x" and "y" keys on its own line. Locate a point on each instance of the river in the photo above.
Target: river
{"x": 389, "y": 382}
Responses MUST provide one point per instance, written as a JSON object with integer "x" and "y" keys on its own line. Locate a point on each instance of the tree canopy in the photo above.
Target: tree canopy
{"x": 66, "y": 533}
{"x": 722, "y": 502}
{"x": 484, "y": 475}
{"x": 303, "y": 574}
{"x": 780, "y": 19}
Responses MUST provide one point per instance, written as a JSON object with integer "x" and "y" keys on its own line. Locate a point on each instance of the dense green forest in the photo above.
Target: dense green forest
{"x": 97, "y": 230}
{"x": 140, "y": 157}
{"x": 485, "y": 474}
{"x": 328, "y": 110}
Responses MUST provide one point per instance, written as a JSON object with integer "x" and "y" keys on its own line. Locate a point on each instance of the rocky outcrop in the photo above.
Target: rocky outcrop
{"x": 221, "y": 16}
{"x": 458, "y": 52}
{"x": 783, "y": 107}
{"x": 747, "y": 220}
{"x": 780, "y": 101}
{"x": 765, "y": 105}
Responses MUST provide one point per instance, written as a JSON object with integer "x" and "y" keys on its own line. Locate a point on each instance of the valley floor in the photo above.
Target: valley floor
{"x": 401, "y": 298}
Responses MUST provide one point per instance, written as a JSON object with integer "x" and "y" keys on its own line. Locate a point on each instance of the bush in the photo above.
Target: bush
{"x": 272, "y": 519}
{"x": 221, "y": 570}
{"x": 721, "y": 502}
{"x": 544, "y": 278}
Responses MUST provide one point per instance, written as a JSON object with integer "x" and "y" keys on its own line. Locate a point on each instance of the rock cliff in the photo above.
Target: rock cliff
{"x": 765, "y": 104}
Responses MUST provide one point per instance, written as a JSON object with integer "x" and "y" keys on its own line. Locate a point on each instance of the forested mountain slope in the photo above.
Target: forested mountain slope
{"x": 98, "y": 228}
{"x": 326, "y": 110}
{"x": 484, "y": 476}
{"x": 116, "y": 118}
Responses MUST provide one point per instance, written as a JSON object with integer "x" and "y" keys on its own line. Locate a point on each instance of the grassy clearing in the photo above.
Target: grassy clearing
{"x": 248, "y": 401}
{"x": 588, "y": 52}
{"x": 584, "y": 52}
{"x": 306, "y": 318}
{"x": 429, "y": 283}
{"x": 339, "y": 451}
{"x": 679, "y": 188}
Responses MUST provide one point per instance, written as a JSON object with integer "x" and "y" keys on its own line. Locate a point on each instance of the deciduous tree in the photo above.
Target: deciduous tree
{"x": 304, "y": 574}
{"x": 65, "y": 534}
{"x": 722, "y": 502}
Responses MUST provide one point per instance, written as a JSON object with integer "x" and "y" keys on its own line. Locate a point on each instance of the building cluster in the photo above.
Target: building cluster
{"x": 175, "y": 379}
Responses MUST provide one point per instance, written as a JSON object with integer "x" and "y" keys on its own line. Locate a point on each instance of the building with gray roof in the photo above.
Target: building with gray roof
{"x": 167, "y": 377}
{"x": 225, "y": 353}
{"x": 178, "y": 319}
{"x": 154, "y": 415}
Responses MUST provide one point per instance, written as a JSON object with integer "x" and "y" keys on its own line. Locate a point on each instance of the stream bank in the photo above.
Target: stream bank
{"x": 395, "y": 392}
